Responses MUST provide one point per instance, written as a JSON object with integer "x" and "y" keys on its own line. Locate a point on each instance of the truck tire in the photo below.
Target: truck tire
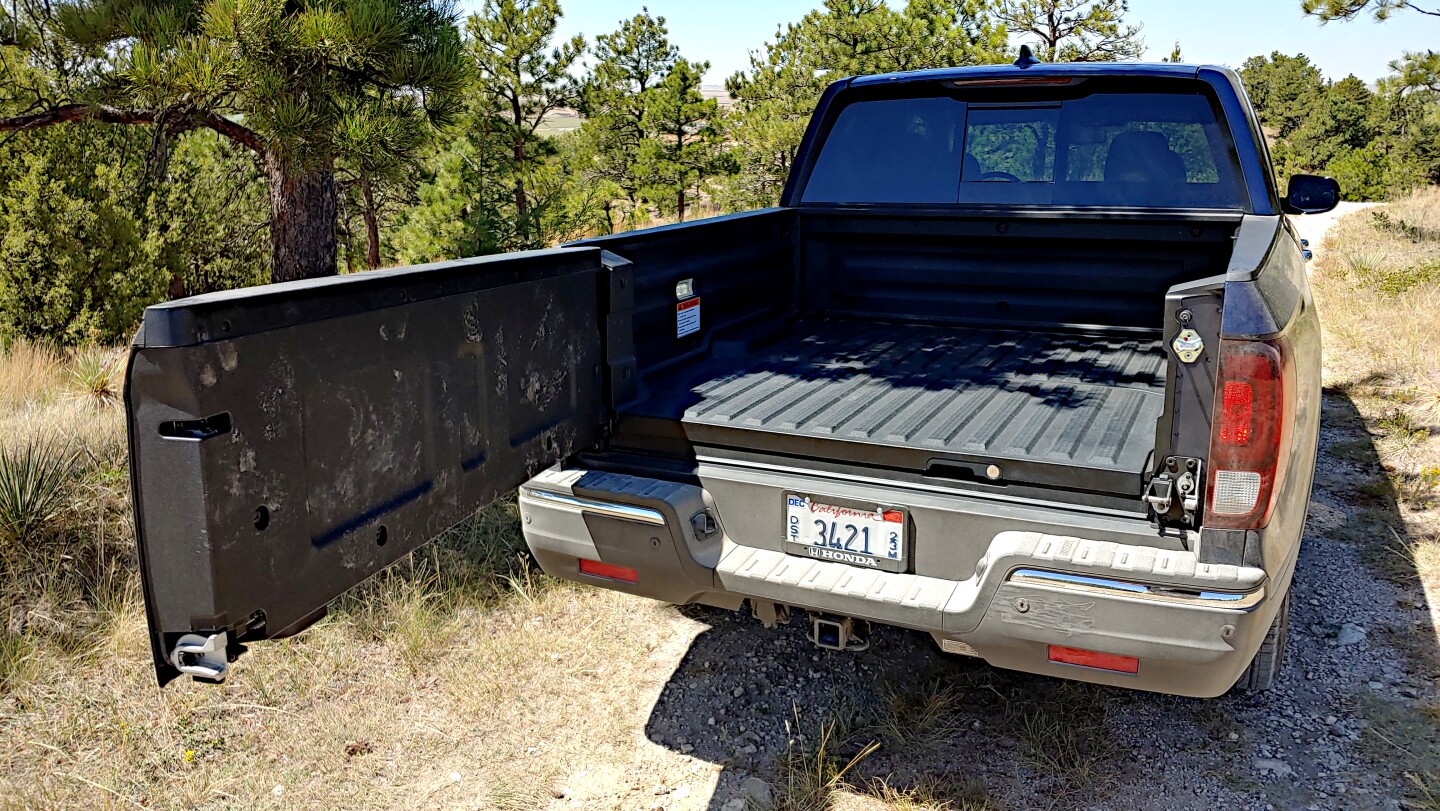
{"x": 1265, "y": 667}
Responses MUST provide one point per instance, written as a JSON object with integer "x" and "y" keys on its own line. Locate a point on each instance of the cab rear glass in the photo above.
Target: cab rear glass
{"x": 1109, "y": 147}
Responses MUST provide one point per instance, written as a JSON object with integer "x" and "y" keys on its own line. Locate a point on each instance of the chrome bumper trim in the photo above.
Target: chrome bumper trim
{"x": 624, "y": 512}
{"x": 1246, "y": 601}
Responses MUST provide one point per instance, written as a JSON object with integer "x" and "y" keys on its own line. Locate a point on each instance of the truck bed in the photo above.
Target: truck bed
{"x": 1066, "y": 410}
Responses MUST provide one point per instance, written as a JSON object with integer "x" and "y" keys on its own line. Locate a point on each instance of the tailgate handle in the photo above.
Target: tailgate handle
{"x": 196, "y": 430}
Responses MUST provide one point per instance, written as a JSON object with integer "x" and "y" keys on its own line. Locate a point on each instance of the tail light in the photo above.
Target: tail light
{"x": 1253, "y": 401}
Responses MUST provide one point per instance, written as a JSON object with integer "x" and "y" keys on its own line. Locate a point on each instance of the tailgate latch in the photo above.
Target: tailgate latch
{"x": 1180, "y": 480}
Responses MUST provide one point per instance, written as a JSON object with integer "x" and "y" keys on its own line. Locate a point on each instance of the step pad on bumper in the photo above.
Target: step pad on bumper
{"x": 903, "y": 599}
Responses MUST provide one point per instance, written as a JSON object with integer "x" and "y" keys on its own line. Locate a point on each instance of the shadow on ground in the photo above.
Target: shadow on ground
{"x": 1345, "y": 727}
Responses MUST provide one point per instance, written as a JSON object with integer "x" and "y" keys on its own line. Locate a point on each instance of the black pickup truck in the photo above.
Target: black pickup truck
{"x": 1025, "y": 359}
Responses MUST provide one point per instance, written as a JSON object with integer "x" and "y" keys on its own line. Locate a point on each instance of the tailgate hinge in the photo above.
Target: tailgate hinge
{"x": 204, "y": 657}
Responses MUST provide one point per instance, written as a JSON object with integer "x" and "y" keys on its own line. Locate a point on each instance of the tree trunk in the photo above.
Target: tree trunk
{"x": 680, "y": 203}
{"x": 372, "y": 224}
{"x": 303, "y": 210}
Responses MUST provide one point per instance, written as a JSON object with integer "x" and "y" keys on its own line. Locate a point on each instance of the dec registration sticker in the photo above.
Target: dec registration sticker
{"x": 687, "y": 317}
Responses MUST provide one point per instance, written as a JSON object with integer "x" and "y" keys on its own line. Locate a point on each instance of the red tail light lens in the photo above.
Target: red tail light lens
{"x": 1250, "y": 417}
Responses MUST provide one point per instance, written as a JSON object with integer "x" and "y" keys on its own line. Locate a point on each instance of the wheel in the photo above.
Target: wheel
{"x": 1265, "y": 667}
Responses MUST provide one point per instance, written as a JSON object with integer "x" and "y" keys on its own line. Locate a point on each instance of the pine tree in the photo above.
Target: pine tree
{"x": 300, "y": 83}
{"x": 632, "y": 63}
{"x": 1074, "y": 30}
{"x": 520, "y": 83}
{"x": 683, "y": 143}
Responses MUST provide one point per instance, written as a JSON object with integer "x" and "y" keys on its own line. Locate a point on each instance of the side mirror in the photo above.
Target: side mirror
{"x": 1311, "y": 194}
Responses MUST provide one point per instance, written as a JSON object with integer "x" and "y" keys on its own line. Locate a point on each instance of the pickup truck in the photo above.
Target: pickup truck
{"x": 1025, "y": 360}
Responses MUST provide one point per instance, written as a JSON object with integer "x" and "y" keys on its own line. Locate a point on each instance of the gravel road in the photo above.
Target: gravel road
{"x": 741, "y": 695}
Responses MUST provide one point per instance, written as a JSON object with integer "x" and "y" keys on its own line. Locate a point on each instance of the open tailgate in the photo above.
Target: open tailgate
{"x": 289, "y": 441}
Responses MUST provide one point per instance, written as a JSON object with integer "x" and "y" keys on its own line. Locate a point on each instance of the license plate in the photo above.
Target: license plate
{"x": 873, "y": 537}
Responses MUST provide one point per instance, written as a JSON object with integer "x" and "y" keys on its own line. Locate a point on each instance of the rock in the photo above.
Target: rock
{"x": 1375, "y": 685}
{"x": 737, "y": 692}
{"x": 686, "y": 749}
{"x": 1233, "y": 737}
{"x": 737, "y": 804}
{"x": 1277, "y": 767}
{"x": 756, "y": 789}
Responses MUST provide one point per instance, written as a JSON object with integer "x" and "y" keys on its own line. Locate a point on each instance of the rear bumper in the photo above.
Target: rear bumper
{"x": 1194, "y": 627}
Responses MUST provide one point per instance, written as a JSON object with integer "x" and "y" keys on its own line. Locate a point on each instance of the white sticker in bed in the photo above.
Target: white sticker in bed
{"x": 687, "y": 317}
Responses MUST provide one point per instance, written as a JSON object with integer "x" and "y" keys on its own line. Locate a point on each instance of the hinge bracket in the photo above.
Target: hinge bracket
{"x": 202, "y": 656}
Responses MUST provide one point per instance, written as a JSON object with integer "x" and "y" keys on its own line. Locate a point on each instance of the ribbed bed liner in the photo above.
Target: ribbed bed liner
{"x": 1087, "y": 404}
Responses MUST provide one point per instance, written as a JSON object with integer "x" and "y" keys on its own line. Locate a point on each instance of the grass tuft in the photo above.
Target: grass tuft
{"x": 36, "y": 478}
{"x": 97, "y": 376}
{"x": 812, "y": 773}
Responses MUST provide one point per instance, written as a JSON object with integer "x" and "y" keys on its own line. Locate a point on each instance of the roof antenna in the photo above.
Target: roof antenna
{"x": 1027, "y": 58}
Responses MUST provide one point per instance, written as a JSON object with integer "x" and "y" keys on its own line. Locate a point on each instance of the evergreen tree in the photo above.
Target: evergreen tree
{"x": 1282, "y": 88}
{"x": 683, "y": 143}
{"x": 631, "y": 63}
{"x": 520, "y": 82}
{"x": 1075, "y": 30}
{"x": 297, "y": 82}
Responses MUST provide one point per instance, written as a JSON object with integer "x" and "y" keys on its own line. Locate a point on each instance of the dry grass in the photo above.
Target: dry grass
{"x": 461, "y": 677}
{"x": 29, "y": 373}
{"x": 1378, "y": 290}
{"x": 813, "y": 772}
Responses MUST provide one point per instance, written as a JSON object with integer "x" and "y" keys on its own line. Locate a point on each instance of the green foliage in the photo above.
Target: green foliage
{"x": 520, "y": 83}
{"x": 1076, "y": 30}
{"x": 1374, "y": 144}
{"x": 97, "y": 376}
{"x": 631, "y": 63}
{"x": 1328, "y": 10}
{"x": 72, "y": 243}
{"x": 1282, "y": 88}
{"x": 776, "y": 95}
{"x": 208, "y": 223}
{"x": 683, "y": 139}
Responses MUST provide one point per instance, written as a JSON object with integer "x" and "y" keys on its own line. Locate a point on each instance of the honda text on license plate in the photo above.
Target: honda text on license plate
{"x": 861, "y": 535}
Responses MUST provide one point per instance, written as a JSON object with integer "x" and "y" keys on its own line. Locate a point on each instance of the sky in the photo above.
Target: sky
{"x": 1225, "y": 32}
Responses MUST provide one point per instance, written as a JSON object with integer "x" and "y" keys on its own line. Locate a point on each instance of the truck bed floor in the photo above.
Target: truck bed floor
{"x": 1049, "y": 408}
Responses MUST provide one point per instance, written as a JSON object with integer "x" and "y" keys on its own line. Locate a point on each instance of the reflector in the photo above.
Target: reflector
{"x": 610, "y": 570}
{"x": 1095, "y": 659}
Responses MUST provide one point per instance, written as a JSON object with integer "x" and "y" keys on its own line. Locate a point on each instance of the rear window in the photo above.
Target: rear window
{"x": 1131, "y": 149}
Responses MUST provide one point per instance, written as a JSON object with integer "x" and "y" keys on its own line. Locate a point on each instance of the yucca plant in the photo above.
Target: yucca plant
{"x": 35, "y": 481}
{"x": 95, "y": 376}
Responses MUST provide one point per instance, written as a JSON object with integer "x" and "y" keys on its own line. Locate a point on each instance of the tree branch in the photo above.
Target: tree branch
{"x": 75, "y": 112}
{"x": 108, "y": 114}
{"x": 239, "y": 133}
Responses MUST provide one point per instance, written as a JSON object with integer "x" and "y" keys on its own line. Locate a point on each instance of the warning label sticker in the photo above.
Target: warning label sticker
{"x": 687, "y": 317}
